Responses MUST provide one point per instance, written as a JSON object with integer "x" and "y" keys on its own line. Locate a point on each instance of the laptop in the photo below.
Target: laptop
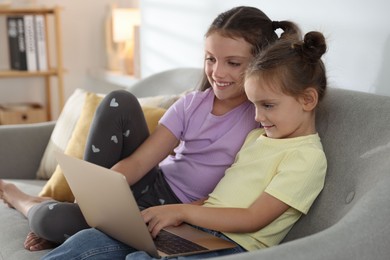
{"x": 108, "y": 204}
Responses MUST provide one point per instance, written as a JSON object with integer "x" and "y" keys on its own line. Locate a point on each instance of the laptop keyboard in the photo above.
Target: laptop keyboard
{"x": 172, "y": 244}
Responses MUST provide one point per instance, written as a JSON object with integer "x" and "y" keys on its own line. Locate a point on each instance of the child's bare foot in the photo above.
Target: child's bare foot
{"x": 15, "y": 198}
{"x": 35, "y": 243}
{"x": 2, "y": 188}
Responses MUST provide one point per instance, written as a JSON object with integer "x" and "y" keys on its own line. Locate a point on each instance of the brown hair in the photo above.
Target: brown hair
{"x": 252, "y": 25}
{"x": 295, "y": 65}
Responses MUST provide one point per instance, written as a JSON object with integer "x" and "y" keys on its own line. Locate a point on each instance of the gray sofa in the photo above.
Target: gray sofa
{"x": 349, "y": 220}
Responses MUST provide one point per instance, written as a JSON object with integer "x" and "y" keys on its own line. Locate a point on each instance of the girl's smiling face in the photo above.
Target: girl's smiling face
{"x": 281, "y": 115}
{"x": 225, "y": 62}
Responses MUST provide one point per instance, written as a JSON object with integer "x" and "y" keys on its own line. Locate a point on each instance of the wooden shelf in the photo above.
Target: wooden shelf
{"x": 21, "y": 10}
{"x": 19, "y": 73}
{"x": 53, "y": 71}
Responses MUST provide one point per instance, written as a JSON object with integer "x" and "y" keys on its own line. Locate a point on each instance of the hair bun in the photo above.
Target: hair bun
{"x": 312, "y": 47}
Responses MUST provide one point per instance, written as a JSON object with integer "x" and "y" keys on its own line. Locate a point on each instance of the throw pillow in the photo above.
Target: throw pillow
{"x": 152, "y": 116}
{"x": 62, "y": 132}
{"x": 57, "y": 187}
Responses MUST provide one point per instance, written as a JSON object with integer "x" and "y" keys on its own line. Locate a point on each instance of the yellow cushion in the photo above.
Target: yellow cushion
{"x": 57, "y": 187}
{"x": 152, "y": 116}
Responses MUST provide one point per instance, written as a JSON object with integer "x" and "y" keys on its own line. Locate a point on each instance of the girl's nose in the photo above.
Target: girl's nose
{"x": 259, "y": 116}
{"x": 219, "y": 70}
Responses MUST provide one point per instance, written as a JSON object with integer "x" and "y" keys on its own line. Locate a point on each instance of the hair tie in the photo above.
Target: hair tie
{"x": 275, "y": 25}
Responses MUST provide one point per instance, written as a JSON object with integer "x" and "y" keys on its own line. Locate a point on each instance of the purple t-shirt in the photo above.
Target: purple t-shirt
{"x": 208, "y": 143}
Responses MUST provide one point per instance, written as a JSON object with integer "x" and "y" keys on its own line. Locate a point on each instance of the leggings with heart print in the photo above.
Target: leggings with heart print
{"x": 118, "y": 129}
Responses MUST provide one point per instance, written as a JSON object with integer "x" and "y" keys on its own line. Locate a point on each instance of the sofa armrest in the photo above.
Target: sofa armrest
{"x": 362, "y": 234}
{"x": 21, "y": 149}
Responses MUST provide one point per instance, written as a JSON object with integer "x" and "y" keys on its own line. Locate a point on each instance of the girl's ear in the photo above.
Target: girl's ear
{"x": 309, "y": 99}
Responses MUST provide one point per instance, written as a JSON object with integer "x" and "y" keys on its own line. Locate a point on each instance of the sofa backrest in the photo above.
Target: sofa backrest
{"x": 355, "y": 131}
{"x": 169, "y": 82}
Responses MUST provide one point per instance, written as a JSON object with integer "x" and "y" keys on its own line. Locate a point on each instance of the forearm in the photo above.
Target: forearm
{"x": 262, "y": 212}
{"x": 220, "y": 219}
{"x": 235, "y": 220}
{"x": 131, "y": 170}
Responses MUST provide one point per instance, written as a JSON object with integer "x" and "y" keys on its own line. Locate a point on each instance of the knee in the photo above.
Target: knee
{"x": 121, "y": 100}
{"x": 56, "y": 221}
{"x": 120, "y": 95}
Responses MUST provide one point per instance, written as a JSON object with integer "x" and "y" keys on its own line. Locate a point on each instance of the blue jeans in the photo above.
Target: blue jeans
{"x": 93, "y": 244}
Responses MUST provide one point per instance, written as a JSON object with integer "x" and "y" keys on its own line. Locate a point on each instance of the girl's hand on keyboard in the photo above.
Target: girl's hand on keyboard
{"x": 160, "y": 217}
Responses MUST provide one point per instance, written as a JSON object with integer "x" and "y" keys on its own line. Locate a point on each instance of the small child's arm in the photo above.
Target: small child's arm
{"x": 263, "y": 211}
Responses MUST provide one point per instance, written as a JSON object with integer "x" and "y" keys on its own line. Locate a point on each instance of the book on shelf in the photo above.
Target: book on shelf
{"x": 40, "y": 39}
{"x": 16, "y": 43}
{"x": 13, "y": 44}
{"x": 27, "y": 44}
{"x": 31, "y": 50}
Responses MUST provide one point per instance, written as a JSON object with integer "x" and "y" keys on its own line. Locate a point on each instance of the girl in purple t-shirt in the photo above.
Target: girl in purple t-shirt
{"x": 206, "y": 128}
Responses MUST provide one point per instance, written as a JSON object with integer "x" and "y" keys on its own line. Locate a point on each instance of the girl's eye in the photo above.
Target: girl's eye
{"x": 210, "y": 59}
{"x": 268, "y": 106}
{"x": 234, "y": 64}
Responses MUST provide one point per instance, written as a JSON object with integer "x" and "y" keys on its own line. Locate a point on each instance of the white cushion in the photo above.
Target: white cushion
{"x": 61, "y": 133}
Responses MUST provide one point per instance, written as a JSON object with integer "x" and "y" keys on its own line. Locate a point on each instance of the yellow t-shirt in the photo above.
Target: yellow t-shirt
{"x": 291, "y": 170}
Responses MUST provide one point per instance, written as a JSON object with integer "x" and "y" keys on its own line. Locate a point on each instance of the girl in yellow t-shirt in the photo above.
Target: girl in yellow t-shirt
{"x": 280, "y": 170}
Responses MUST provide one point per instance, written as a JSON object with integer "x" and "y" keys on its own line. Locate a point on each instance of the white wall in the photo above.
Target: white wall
{"x": 357, "y": 31}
